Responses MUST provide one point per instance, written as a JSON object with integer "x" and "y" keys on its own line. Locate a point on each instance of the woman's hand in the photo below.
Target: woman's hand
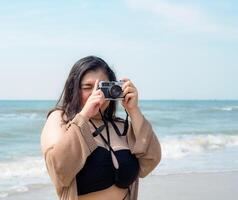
{"x": 93, "y": 103}
{"x": 130, "y": 93}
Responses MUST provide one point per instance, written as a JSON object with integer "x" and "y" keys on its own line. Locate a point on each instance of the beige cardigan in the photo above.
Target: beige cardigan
{"x": 66, "y": 158}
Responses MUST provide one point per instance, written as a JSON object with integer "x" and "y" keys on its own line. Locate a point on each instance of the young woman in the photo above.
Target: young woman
{"x": 91, "y": 154}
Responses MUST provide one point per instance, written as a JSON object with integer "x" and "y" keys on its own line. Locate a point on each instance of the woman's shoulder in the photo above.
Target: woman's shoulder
{"x": 57, "y": 113}
{"x": 54, "y": 122}
{"x": 54, "y": 113}
{"x": 53, "y": 129}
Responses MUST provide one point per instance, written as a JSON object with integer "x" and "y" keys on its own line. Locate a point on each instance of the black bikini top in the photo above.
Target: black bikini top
{"x": 99, "y": 172}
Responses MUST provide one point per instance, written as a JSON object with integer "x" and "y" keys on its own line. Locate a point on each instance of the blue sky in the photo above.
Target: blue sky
{"x": 169, "y": 49}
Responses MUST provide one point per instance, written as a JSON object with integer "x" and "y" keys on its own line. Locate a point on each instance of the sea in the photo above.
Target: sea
{"x": 196, "y": 136}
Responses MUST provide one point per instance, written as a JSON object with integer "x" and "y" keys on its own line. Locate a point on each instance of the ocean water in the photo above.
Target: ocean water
{"x": 196, "y": 136}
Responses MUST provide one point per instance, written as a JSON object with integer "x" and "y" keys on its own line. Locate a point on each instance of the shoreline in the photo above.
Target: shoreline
{"x": 188, "y": 186}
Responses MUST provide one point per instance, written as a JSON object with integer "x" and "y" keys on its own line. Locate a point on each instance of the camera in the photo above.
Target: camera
{"x": 112, "y": 89}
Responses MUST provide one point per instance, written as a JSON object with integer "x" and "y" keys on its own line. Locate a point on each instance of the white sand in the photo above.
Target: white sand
{"x": 200, "y": 186}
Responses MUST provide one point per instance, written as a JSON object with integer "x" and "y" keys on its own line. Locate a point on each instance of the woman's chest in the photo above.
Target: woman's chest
{"x": 112, "y": 138}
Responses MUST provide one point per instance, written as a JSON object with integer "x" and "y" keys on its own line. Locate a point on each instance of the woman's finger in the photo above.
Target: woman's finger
{"x": 95, "y": 85}
{"x": 101, "y": 93}
{"x": 96, "y": 102}
{"x": 124, "y": 79}
{"x": 128, "y": 90}
{"x": 127, "y": 84}
{"x": 99, "y": 96}
{"x": 128, "y": 97}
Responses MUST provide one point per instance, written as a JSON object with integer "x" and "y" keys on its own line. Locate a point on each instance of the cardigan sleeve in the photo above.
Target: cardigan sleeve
{"x": 65, "y": 158}
{"x": 145, "y": 145}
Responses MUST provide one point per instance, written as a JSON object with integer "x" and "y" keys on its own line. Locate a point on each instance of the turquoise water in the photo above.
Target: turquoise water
{"x": 196, "y": 136}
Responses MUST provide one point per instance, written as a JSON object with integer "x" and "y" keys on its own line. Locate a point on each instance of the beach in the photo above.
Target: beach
{"x": 195, "y": 186}
{"x": 199, "y": 141}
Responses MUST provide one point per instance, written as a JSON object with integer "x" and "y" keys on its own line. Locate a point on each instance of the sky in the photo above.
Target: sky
{"x": 169, "y": 49}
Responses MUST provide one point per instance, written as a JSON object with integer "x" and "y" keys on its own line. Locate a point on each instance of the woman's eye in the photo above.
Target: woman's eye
{"x": 86, "y": 88}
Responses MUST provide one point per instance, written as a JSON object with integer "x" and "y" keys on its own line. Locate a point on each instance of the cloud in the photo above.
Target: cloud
{"x": 175, "y": 15}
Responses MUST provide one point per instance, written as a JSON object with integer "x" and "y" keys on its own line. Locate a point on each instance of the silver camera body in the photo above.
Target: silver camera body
{"x": 112, "y": 89}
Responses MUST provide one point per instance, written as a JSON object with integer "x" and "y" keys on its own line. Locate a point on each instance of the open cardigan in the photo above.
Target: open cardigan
{"x": 68, "y": 156}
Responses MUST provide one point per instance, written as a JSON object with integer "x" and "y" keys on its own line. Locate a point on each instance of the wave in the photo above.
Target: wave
{"x": 217, "y": 109}
{"x": 21, "y": 116}
{"x": 31, "y": 110}
{"x": 176, "y": 147}
{"x": 17, "y": 175}
{"x": 159, "y": 172}
{"x": 179, "y": 108}
{"x": 23, "y": 168}
{"x": 14, "y": 190}
{"x": 226, "y": 108}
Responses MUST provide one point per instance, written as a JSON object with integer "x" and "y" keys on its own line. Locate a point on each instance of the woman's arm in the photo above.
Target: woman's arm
{"x": 65, "y": 149}
{"x": 143, "y": 143}
{"x": 141, "y": 137}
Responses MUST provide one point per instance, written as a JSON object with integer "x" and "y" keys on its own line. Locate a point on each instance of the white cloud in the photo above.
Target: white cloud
{"x": 175, "y": 15}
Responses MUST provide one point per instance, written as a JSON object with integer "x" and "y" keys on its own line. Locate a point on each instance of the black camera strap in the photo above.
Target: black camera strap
{"x": 126, "y": 124}
{"x": 98, "y": 131}
{"x": 107, "y": 141}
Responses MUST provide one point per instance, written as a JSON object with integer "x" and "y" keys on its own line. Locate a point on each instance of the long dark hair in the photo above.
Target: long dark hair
{"x": 70, "y": 98}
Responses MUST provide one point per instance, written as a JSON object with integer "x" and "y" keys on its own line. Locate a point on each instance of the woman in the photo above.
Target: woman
{"x": 91, "y": 154}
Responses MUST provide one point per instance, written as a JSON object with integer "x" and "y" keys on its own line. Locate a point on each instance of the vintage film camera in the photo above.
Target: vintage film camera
{"x": 112, "y": 89}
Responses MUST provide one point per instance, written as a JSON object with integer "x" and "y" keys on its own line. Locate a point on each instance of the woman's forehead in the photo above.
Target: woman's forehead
{"x": 92, "y": 76}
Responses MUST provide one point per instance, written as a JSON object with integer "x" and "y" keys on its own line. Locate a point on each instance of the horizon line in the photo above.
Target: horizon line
{"x": 162, "y": 99}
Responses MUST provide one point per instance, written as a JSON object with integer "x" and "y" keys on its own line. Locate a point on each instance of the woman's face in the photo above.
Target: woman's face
{"x": 87, "y": 85}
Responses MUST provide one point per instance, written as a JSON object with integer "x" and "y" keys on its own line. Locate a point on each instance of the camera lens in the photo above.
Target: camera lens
{"x": 115, "y": 91}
